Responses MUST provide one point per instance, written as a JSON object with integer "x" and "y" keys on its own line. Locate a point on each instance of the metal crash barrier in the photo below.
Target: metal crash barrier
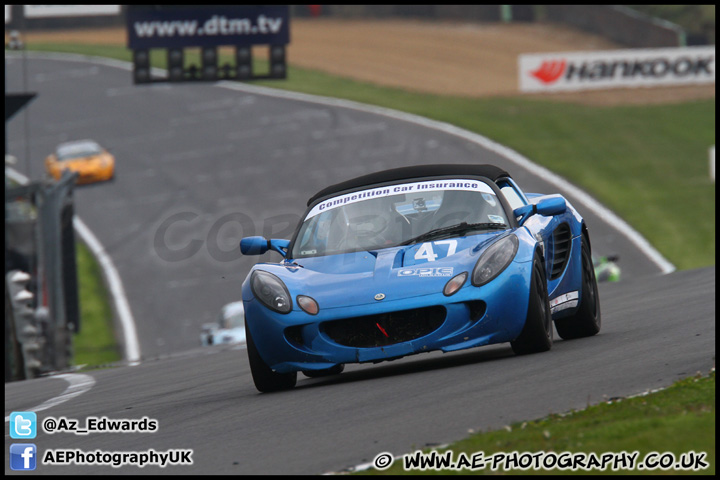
{"x": 41, "y": 299}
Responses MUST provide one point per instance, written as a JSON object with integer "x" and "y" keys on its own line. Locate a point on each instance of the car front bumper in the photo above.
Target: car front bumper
{"x": 474, "y": 316}
{"x": 86, "y": 176}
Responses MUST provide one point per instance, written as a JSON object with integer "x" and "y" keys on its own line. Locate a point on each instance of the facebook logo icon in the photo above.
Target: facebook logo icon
{"x": 23, "y": 456}
{"x": 23, "y": 425}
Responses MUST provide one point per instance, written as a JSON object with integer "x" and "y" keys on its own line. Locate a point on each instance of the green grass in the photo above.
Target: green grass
{"x": 679, "y": 419}
{"x": 95, "y": 344}
{"x": 649, "y": 164}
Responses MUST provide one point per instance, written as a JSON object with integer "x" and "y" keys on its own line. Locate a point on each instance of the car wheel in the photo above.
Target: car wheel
{"x": 586, "y": 322}
{"x": 324, "y": 373}
{"x": 265, "y": 379}
{"x": 537, "y": 335}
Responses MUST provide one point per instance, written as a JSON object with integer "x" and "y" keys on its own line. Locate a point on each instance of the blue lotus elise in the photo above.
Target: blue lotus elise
{"x": 415, "y": 259}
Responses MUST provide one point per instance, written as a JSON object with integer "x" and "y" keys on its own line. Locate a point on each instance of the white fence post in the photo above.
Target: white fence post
{"x": 712, "y": 163}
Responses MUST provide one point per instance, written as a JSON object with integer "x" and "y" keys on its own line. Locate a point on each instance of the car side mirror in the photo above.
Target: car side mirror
{"x": 260, "y": 245}
{"x": 546, "y": 207}
{"x": 549, "y": 207}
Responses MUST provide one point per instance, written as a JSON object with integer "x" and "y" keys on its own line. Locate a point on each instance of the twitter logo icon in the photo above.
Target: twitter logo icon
{"x": 23, "y": 425}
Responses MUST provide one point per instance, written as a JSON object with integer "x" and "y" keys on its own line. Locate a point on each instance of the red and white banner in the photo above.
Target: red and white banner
{"x": 616, "y": 68}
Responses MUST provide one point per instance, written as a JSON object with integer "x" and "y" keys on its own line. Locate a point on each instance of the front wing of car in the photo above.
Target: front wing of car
{"x": 474, "y": 316}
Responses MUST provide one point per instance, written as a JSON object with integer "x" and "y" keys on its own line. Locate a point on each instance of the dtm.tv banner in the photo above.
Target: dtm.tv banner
{"x": 168, "y": 27}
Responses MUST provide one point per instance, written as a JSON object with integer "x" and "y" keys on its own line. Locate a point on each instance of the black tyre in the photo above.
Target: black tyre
{"x": 537, "y": 335}
{"x": 265, "y": 379}
{"x": 586, "y": 322}
{"x": 324, "y": 373}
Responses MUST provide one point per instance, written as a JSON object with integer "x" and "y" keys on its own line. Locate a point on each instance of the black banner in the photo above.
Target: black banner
{"x": 177, "y": 27}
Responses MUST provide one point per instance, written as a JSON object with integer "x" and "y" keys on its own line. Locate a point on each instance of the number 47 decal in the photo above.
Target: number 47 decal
{"x": 426, "y": 250}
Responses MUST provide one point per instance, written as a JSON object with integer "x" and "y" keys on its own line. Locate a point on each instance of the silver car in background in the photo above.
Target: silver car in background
{"x": 229, "y": 327}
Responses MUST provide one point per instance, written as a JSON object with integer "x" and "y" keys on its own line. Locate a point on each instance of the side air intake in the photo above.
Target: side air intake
{"x": 561, "y": 240}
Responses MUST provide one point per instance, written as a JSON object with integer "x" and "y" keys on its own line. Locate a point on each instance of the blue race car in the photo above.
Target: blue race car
{"x": 415, "y": 259}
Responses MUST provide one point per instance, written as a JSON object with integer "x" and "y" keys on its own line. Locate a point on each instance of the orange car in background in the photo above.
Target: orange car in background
{"x": 91, "y": 161}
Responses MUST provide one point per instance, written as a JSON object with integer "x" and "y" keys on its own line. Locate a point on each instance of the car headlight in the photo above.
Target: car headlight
{"x": 271, "y": 291}
{"x": 495, "y": 259}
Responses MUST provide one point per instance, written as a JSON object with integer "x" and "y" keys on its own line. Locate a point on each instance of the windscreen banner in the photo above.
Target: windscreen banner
{"x": 405, "y": 188}
{"x": 545, "y": 72}
{"x": 207, "y": 26}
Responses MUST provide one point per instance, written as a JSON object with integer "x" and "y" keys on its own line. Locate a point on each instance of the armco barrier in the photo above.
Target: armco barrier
{"x": 42, "y": 17}
{"x": 39, "y": 240}
{"x": 620, "y": 24}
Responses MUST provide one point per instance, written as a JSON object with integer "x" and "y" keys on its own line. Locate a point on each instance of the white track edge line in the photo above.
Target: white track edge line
{"x": 605, "y": 214}
{"x": 79, "y": 384}
{"x": 609, "y": 217}
{"x": 585, "y": 199}
{"x": 117, "y": 291}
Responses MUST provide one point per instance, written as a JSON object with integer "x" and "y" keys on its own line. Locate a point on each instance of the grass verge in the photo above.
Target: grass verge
{"x": 649, "y": 164}
{"x": 668, "y": 423}
{"x": 95, "y": 344}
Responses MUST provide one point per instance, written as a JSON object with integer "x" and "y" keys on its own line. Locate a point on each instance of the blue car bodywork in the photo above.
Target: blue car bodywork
{"x": 455, "y": 287}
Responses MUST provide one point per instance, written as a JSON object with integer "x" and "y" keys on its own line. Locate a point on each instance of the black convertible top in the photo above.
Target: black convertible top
{"x": 489, "y": 171}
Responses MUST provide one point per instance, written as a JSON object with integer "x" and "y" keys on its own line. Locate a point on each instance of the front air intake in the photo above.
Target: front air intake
{"x": 386, "y": 328}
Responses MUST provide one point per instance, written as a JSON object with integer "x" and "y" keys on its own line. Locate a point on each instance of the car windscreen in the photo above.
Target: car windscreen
{"x": 77, "y": 150}
{"x": 397, "y": 214}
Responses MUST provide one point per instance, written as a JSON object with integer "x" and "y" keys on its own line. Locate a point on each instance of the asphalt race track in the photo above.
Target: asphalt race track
{"x": 655, "y": 331}
{"x": 198, "y": 167}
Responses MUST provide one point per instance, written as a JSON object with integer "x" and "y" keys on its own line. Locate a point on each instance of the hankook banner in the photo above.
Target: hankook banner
{"x": 616, "y": 68}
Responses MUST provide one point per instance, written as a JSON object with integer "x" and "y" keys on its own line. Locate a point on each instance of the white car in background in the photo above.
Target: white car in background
{"x": 229, "y": 327}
